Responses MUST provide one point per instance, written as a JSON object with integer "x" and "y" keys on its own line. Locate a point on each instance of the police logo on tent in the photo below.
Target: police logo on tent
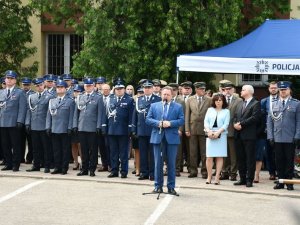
{"x": 262, "y": 66}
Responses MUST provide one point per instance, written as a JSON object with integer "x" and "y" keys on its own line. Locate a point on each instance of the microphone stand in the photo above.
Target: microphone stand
{"x": 161, "y": 130}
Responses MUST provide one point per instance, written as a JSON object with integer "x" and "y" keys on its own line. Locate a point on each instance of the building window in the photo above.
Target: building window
{"x": 251, "y": 78}
{"x": 60, "y": 48}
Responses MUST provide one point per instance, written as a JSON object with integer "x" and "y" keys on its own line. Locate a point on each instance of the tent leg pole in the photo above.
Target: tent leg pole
{"x": 177, "y": 76}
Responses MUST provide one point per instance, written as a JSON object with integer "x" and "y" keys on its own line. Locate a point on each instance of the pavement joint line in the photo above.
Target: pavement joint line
{"x": 20, "y": 190}
{"x": 129, "y": 182}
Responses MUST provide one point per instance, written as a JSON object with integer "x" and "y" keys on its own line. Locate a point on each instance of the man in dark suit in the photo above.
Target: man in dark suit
{"x": 165, "y": 118}
{"x": 246, "y": 119}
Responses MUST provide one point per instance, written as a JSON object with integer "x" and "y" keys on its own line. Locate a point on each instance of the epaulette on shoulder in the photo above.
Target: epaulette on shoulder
{"x": 294, "y": 99}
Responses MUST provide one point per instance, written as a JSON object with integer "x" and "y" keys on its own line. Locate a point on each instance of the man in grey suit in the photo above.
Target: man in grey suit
{"x": 230, "y": 163}
{"x": 36, "y": 124}
{"x": 12, "y": 119}
{"x": 59, "y": 124}
{"x": 283, "y": 130}
{"x": 87, "y": 120}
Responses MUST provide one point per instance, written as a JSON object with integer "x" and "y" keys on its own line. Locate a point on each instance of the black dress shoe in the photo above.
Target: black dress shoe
{"x": 2, "y": 163}
{"x": 177, "y": 174}
{"x": 46, "y": 170}
{"x": 28, "y": 162}
{"x": 249, "y": 184}
{"x": 64, "y": 172}
{"x": 224, "y": 177}
{"x": 233, "y": 177}
{"x": 172, "y": 191}
{"x": 192, "y": 175}
{"x": 112, "y": 175}
{"x": 92, "y": 173}
{"x": 151, "y": 178}
{"x": 15, "y": 169}
{"x": 240, "y": 182}
{"x": 32, "y": 169}
{"x": 6, "y": 168}
{"x": 290, "y": 187}
{"x": 158, "y": 190}
{"x": 103, "y": 169}
{"x": 123, "y": 175}
{"x": 143, "y": 177}
{"x": 82, "y": 173}
{"x": 56, "y": 171}
{"x": 278, "y": 186}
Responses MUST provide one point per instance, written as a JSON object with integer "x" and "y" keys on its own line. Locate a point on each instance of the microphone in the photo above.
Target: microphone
{"x": 165, "y": 101}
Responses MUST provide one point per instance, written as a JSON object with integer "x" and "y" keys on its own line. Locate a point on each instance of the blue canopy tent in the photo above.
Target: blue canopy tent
{"x": 273, "y": 48}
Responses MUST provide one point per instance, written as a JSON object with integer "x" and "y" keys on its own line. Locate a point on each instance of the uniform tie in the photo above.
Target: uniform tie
{"x": 147, "y": 98}
{"x": 40, "y": 95}
{"x": 283, "y": 103}
{"x": 88, "y": 96}
{"x": 59, "y": 100}
{"x": 8, "y": 93}
{"x": 119, "y": 99}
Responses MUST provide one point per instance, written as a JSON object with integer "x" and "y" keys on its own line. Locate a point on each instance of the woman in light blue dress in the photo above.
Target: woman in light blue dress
{"x": 215, "y": 124}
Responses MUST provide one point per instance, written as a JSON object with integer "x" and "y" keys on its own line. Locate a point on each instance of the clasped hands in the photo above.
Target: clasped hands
{"x": 213, "y": 134}
{"x": 237, "y": 126}
{"x": 164, "y": 124}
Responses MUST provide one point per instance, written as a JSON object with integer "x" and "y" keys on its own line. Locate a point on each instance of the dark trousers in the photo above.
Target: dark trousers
{"x": 197, "y": 148}
{"x": 118, "y": 150}
{"x": 230, "y": 164}
{"x": 26, "y": 136}
{"x": 284, "y": 153}
{"x": 270, "y": 159}
{"x": 146, "y": 156}
{"x": 41, "y": 148}
{"x": 61, "y": 149}
{"x": 89, "y": 153}
{"x": 11, "y": 145}
{"x": 104, "y": 150}
{"x": 1, "y": 151}
{"x": 245, "y": 152}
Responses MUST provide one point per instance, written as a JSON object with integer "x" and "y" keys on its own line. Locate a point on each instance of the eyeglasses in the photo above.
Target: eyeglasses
{"x": 219, "y": 100}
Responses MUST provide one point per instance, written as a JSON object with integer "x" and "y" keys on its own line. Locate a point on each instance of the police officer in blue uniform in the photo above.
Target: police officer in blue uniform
{"x": 143, "y": 130}
{"x": 59, "y": 124}
{"x": 36, "y": 124}
{"x": 49, "y": 80}
{"x": 87, "y": 121}
{"x": 283, "y": 130}
{"x": 99, "y": 82}
{"x": 68, "y": 79}
{"x": 118, "y": 124}
{"x": 26, "y": 87}
{"x": 12, "y": 119}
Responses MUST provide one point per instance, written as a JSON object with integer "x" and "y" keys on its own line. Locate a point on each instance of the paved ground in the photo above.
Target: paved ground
{"x": 36, "y": 198}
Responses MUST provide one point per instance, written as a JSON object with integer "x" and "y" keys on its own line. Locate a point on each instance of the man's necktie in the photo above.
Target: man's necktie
{"x": 40, "y": 95}
{"x": 147, "y": 98}
{"x": 59, "y": 100}
{"x": 165, "y": 113}
{"x": 8, "y": 93}
{"x": 119, "y": 99}
{"x": 283, "y": 103}
{"x": 244, "y": 106}
{"x": 88, "y": 97}
{"x": 228, "y": 100}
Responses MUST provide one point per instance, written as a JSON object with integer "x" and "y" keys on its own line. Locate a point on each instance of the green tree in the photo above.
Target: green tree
{"x": 138, "y": 39}
{"x": 15, "y": 35}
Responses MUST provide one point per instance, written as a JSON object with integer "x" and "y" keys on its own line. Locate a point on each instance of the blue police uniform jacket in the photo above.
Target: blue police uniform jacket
{"x": 60, "y": 115}
{"x": 175, "y": 116}
{"x": 284, "y": 124}
{"x": 12, "y": 107}
{"x": 141, "y": 110}
{"x": 118, "y": 119}
{"x": 37, "y": 110}
{"x": 87, "y": 115}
